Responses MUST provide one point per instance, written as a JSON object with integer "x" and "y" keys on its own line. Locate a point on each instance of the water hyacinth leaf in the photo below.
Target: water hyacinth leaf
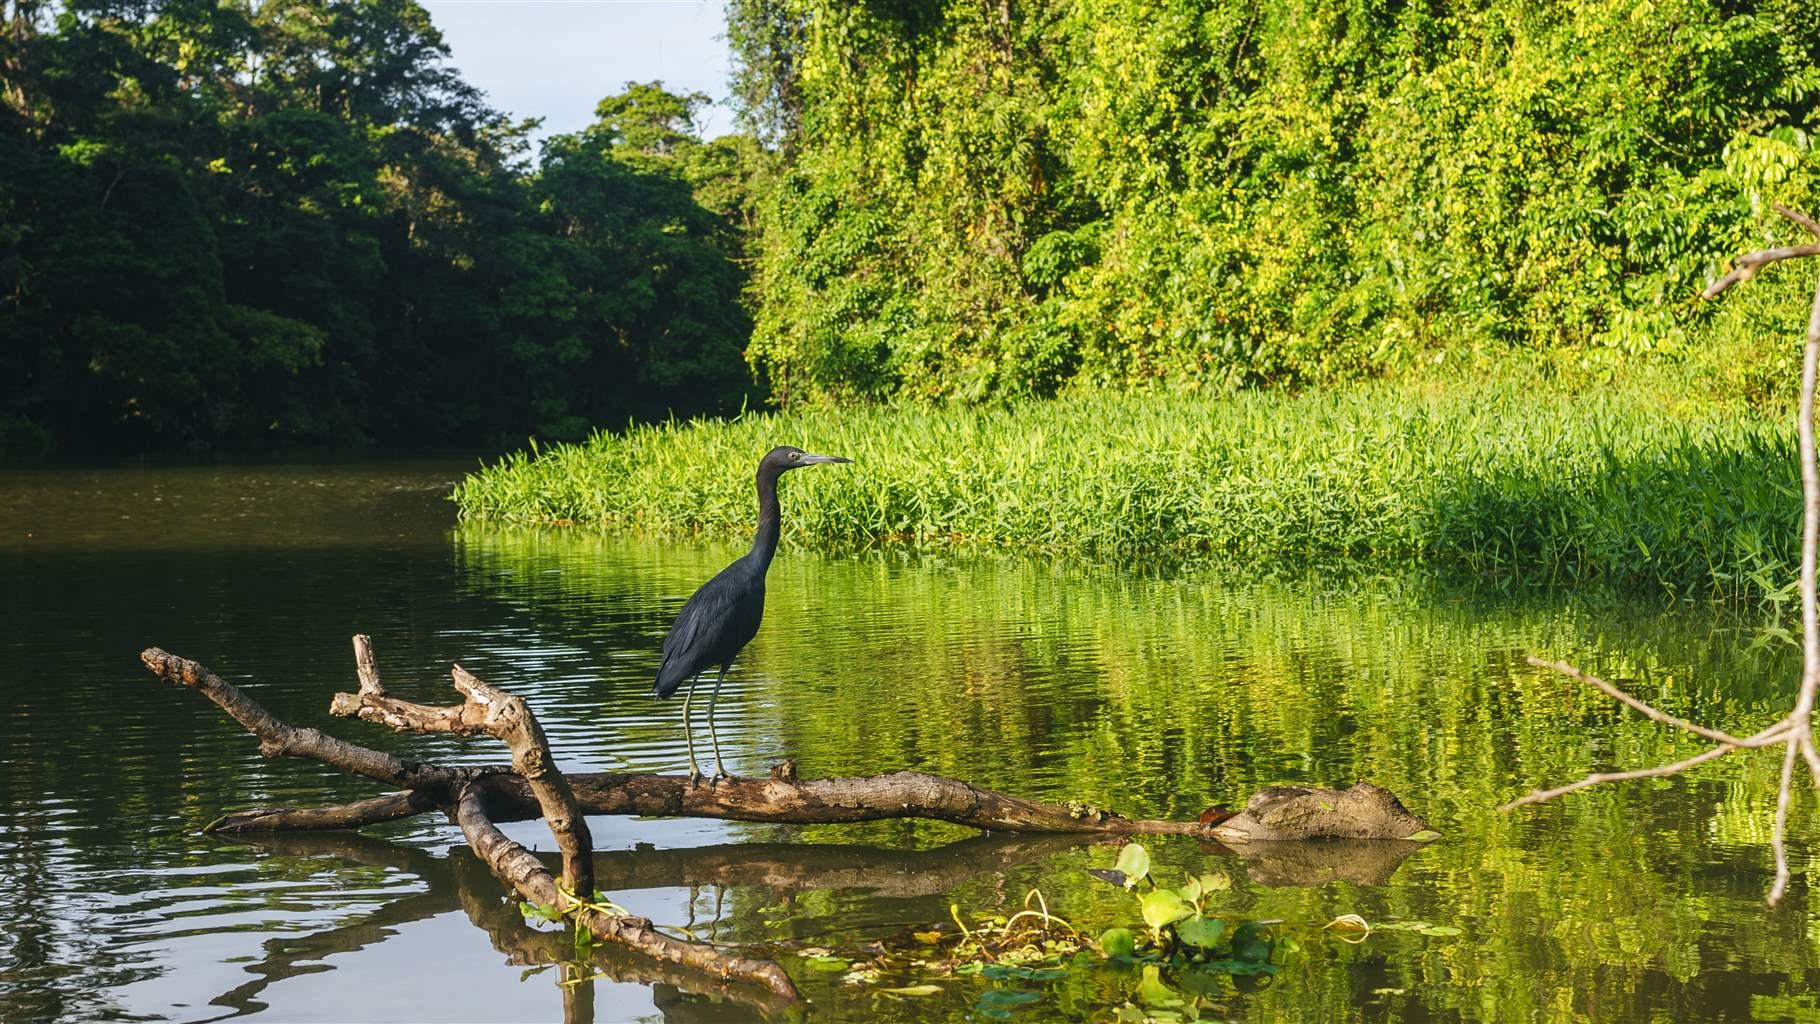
{"x": 1163, "y": 907}
{"x": 1201, "y": 932}
{"x": 1134, "y": 861}
{"x": 914, "y": 990}
{"x": 1242, "y": 967}
{"x": 1113, "y": 875}
{"x": 1191, "y": 891}
{"x": 1153, "y": 993}
{"x": 1118, "y": 943}
{"x": 1213, "y": 882}
{"x": 1252, "y": 942}
{"x": 997, "y": 1003}
{"x": 1003, "y": 971}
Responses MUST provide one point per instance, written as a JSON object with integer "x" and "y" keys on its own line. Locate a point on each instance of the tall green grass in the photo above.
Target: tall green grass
{"x": 1498, "y": 479}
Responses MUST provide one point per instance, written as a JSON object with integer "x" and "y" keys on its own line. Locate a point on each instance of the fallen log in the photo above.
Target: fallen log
{"x": 478, "y": 798}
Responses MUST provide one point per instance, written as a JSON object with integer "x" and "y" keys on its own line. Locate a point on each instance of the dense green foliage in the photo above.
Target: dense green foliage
{"x": 1486, "y": 480}
{"x": 997, "y": 199}
{"x": 237, "y": 221}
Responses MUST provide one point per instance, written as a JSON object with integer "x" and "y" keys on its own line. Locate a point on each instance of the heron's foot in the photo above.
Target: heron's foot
{"x": 695, "y": 776}
{"x": 722, "y": 774}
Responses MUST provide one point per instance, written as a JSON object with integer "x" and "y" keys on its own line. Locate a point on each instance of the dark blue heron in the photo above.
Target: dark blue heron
{"x": 724, "y": 614}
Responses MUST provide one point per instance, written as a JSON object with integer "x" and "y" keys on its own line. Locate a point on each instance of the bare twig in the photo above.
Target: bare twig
{"x": 1813, "y": 227}
{"x": 1543, "y": 795}
{"x": 1795, "y": 731}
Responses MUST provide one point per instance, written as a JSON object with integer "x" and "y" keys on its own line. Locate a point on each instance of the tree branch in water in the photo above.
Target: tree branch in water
{"x": 1794, "y": 731}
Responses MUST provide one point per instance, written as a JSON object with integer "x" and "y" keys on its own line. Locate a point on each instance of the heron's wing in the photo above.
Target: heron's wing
{"x": 695, "y": 639}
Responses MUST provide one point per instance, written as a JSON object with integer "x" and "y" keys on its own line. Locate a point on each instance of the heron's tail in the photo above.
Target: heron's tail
{"x": 665, "y": 686}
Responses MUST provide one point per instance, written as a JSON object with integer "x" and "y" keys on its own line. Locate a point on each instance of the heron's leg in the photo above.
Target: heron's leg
{"x": 720, "y": 769}
{"x": 694, "y": 769}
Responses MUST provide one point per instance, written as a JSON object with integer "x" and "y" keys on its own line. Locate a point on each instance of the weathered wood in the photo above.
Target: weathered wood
{"x": 356, "y": 815}
{"x": 516, "y": 866}
{"x": 506, "y": 718}
{"x": 1298, "y": 813}
{"x": 478, "y": 798}
{"x": 278, "y": 738}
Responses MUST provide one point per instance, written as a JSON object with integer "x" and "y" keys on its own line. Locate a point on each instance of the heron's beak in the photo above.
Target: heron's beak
{"x": 810, "y": 460}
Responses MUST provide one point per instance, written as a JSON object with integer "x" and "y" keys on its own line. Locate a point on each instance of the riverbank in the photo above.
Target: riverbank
{"x": 1629, "y": 486}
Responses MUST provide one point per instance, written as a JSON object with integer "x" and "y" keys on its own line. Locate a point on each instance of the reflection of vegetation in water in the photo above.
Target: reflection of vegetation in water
{"x": 1161, "y": 697}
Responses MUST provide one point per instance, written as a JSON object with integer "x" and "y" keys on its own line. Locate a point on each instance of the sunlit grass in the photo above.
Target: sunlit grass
{"x": 1498, "y": 479}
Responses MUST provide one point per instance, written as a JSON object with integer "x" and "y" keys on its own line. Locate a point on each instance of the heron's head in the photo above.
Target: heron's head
{"x": 787, "y": 457}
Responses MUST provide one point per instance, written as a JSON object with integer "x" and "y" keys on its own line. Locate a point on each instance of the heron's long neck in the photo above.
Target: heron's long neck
{"x": 764, "y": 543}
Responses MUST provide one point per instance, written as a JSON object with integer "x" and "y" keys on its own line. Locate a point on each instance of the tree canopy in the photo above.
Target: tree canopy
{"x": 234, "y": 222}
{"x": 977, "y": 200}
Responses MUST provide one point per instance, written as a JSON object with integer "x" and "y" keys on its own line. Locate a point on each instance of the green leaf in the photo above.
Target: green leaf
{"x": 1252, "y": 943}
{"x": 1427, "y": 835}
{"x": 1191, "y": 891}
{"x": 827, "y": 963}
{"x": 1201, "y": 932}
{"x": 1003, "y": 971}
{"x": 1153, "y": 993}
{"x": 1118, "y": 943}
{"x": 914, "y": 990}
{"x": 1134, "y": 861}
{"x": 1163, "y": 907}
{"x": 1213, "y": 882}
{"x": 997, "y": 1003}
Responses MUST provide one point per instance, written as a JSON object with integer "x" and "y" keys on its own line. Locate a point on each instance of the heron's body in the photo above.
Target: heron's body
{"x": 716, "y": 624}
{"x": 722, "y": 617}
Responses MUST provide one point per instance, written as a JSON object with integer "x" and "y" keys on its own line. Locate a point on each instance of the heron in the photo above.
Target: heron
{"x": 723, "y": 616}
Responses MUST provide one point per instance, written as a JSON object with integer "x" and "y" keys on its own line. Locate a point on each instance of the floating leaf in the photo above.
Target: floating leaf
{"x": 1113, "y": 875}
{"x": 927, "y": 938}
{"x": 1427, "y": 835}
{"x": 1134, "y": 861}
{"x": 1351, "y": 928}
{"x": 1163, "y": 907}
{"x": 1118, "y": 943}
{"x": 1213, "y": 882}
{"x": 914, "y": 990}
{"x": 1191, "y": 891}
{"x": 827, "y": 963}
{"x": 1003, "y": 971}
{"x": 1236, "y": 967}
{"x": 1420, "y": 928}
{"x": 1153, "y": 993}
{"x": 1252, "y": 943}
{"x": 1129, "y": 1014}
{"x": 1201, "y": 932}
{"x": 997, "y": 1003}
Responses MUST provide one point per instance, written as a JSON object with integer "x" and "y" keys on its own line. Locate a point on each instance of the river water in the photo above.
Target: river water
{"x": 1154, "y": 696}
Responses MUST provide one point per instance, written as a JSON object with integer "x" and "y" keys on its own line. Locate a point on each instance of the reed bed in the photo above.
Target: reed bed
{"x": 1497, "y": 480}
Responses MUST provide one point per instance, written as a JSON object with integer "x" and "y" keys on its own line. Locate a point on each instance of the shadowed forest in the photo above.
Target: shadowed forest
{"x": 232, "y": 223}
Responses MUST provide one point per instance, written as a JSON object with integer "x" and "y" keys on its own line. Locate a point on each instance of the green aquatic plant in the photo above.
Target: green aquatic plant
{"x": 1498, "y": 481}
